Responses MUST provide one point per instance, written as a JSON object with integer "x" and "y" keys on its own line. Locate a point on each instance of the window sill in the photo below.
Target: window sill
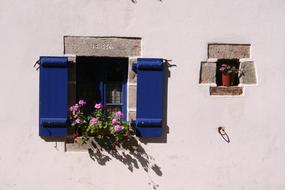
{"x": 89, "y": 145}
{"x": 226, "y": 91}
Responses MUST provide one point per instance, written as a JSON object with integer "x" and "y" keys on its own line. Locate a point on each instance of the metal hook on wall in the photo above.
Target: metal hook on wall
{"x": 224, "y": 134}
{"x": 37, "y": 63}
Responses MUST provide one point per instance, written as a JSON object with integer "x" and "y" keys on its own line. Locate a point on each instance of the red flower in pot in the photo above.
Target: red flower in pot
{"x": 229, "y": 73}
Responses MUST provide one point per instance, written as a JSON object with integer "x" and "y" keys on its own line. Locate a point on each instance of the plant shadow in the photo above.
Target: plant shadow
{"x": 130, "y": 153}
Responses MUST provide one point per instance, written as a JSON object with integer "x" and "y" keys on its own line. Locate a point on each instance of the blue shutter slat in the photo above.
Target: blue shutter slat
{"x": 148, "y": 122}
{"x": 53, "y": 96}
{"x": 150, "y": 89}
{"x": 53, "y": 121}
{"x": 149, "y": 132}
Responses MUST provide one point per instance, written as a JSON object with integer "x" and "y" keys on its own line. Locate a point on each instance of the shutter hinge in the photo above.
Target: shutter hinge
{"x": 135, "y": 67}
{"x": 37, "y": 63}
{"x": 167, "y": 61}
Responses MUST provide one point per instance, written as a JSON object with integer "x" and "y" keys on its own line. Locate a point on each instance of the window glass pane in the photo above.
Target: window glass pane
{"x": 114, "y": 92}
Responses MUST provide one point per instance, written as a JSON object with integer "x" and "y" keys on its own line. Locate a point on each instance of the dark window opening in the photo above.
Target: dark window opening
{"x": 233, "y": 63}
{"x": 102, "y": 80}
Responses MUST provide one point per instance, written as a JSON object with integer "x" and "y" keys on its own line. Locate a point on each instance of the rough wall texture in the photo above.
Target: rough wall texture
{"x": 194, "y": 156}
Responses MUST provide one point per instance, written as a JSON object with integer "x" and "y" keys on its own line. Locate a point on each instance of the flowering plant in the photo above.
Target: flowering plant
{"x": 230, "y": 70}
{"x": 101, "y": 123}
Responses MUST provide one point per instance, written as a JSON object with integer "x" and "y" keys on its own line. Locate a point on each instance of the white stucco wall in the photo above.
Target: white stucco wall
{"x": 195, "y": 156}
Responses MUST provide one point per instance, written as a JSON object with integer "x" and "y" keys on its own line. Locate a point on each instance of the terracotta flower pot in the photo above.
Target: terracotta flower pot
{"x": 226, "y": 80}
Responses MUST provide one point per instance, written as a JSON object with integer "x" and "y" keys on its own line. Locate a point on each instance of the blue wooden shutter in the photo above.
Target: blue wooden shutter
{"x": 53, "y": 96}
{"x": 150, "y": 90}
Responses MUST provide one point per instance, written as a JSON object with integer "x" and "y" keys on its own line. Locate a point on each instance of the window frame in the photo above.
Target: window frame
{"x": 123, "y": 61}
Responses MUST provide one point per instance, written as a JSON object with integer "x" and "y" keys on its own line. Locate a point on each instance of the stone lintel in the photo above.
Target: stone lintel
{"x": 226, "y": 91}
{"x": 228, "y": 51}
{"x": 102, "y": 46}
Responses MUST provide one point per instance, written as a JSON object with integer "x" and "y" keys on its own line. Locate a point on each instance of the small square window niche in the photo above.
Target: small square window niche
{"x": 228, "y": 69}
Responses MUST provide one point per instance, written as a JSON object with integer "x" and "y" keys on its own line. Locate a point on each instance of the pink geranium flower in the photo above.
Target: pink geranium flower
{"x": 119, "y": 114}
{"x": 77, "y": 121}
{"x": 94, "y": 121}
{"x": 74, "y": 109}
{"x": 98, "y": 106}
{"x": 115, "y": 121}
{"x": 118, "y": 128}
{"x": 82, "y": 102}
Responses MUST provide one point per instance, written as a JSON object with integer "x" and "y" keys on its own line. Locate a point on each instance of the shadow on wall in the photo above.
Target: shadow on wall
{"x": 165, "y": 127}
{"x": 131, "y": 154}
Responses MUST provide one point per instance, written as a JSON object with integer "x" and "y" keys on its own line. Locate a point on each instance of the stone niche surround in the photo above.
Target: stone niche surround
{"x": 218, "y": 51}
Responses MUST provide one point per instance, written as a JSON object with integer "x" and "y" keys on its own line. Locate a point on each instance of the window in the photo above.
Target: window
{"x": 99, "y": 69}
{"x": 102, "y": 79}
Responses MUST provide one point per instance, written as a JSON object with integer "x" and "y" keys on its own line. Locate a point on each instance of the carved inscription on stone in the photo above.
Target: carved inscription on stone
{"x": 102, "y": 46}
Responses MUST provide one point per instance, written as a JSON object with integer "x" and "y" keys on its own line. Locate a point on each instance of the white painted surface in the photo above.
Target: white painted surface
{"x": 195, "y": 156}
